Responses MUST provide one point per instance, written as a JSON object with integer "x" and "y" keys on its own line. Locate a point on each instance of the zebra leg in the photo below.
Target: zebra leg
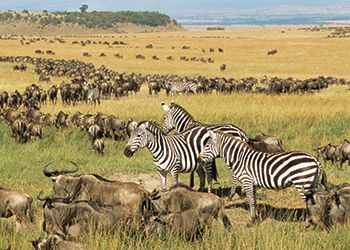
{"x": 192, "y": 179}
{"x": 249, "y": 189}
{"x": 163, "y": 178}
{"x": 233, "y": 186}
{"x": 201, "y": 175}
{"x": 210, "y": 168}
{"x": 175, "y": 175}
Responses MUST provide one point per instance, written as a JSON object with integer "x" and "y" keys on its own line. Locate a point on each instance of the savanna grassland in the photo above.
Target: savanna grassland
{"x": 302, "y": 121}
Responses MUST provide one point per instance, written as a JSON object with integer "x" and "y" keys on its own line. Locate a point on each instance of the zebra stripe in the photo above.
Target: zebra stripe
{"x": 183, "y": 87}
{"x": 270, "y": 171}
{"x": 177, "y": 117}
{"x": 172, "y": 154}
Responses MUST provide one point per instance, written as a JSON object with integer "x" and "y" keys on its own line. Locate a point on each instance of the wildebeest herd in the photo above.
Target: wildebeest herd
{"x": 91, "y": 83}
{"x": 85, "y": 202}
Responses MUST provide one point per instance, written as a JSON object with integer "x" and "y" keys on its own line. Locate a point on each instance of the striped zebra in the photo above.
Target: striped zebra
{"x": 177, "y": 117}
{"x": 183, "y": 87}
{"x": 270, "y": 171}
{"x": 172, "y": 154}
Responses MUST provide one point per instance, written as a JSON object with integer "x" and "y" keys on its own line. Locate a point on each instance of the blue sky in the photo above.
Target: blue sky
{"x": 167, "y": 6}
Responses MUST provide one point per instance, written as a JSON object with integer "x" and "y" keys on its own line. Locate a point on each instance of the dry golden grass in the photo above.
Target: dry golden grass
{"x": 301, "y": 121}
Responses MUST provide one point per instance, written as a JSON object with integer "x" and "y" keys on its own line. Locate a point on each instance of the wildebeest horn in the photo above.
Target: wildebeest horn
{"x": 49, "y": 173}
{"x": 40, "y": 198}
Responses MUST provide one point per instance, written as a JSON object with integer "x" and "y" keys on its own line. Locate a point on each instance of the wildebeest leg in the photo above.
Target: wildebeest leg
{"x": 201, "y": 175}
{"x": 163, "y": 178}
{"x": 210, "y": 168}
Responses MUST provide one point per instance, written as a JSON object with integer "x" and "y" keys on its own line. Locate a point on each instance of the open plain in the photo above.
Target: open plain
{"x": 302, "y": 121}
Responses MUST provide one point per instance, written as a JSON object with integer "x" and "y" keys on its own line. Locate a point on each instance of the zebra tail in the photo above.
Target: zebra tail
{"x": 324, "y": 178}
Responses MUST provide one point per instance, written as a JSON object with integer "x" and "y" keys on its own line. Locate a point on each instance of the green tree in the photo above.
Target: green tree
{"x": 83, "y": 8}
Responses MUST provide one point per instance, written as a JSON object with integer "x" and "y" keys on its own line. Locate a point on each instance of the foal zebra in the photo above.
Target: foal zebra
{"x": 177, "y": 117}
{"x": 172, "y": 154}
{"x": 270, "y": 171}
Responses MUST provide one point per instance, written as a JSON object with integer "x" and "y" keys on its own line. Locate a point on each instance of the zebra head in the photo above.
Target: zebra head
{"x": 211, "y": 148}
{"x": 138, "y": 139}
{"x": 169, "y": 122}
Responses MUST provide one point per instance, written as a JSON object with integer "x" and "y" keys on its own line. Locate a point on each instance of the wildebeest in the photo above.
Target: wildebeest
{"x": 57, "y": 242}
{"x": 180, "y": 198}
{"x": 98, "y": 146}
{"x": 272, "y": 52}
{"x": 222, "y": 67}
{"x": 72, "y": 219}
{"x": 16, "y": 203}
{"x": 266, "y": 143}
{"x": 61, "y": 120}
{"x": 327, "y": 153}
{"x": 188, "y": 224}
{"x": 141, "y": 57}
{"x": 342, "y": 152}
{"x": 52, "y": 93}
{"x": 34, "y": 131}
{"x": 95, "y": 132}
{"x": 19, "y": 127}
{"x": 98, "y": 189}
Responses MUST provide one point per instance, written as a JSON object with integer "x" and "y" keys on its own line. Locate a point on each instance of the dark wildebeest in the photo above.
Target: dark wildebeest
{"x": 98, "y": 146}
{"x": 96, "y": 188}
{"x": 266, "y": 143}
{"x": 34, "y": 131}
{"x": 189, "y": 224}
{"x": 222, "y": 67}
{"x": 180, "y": 198}
{"x": 342, "y": 152}
{"x": 153, "y": 87}
{"x": 327, "y": 152}
{"x": 57, "y": 242}
{"x": 61, "y": 120}
{"x": 52, "y": 92}
{"x": 272, "y": 52}
{"x": 95, "y": 132}
{"x": 72, "y": 219}
{"x": 19, "y": 128}
{"x": 16, "y": 203}
{"x": 114, "y": 127}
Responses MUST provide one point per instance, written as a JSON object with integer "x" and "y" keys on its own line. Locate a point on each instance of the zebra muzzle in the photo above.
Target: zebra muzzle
{"x": 127, "y": 152}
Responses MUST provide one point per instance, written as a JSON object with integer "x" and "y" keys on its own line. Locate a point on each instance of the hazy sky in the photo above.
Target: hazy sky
{"x": 167, "y": 6}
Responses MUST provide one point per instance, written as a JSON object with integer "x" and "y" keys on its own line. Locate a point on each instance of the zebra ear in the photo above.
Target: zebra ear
{"x": 165, "y": 107}
{"x": 172, "y": 103}
{"x": 212, "y": 134}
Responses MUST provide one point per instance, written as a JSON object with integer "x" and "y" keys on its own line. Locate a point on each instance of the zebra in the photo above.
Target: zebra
{"x": 172, "y": 154}
{"x": 93, "y": 96}
{"x": 270, "y": 171}
{"x": 182, "y": 87}
{"x": 177, "y": 117}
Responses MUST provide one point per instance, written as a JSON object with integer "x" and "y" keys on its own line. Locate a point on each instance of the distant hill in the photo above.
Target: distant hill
{"x": 75, "y": 23}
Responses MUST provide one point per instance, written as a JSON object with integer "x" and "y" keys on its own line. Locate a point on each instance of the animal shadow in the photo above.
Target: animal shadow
{"x": 266, "y": 211}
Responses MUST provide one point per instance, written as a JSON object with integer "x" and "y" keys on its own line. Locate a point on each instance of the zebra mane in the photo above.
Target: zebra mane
{"x": 153, "y": 127}
{"x": 231, "y": 137}
{"x": 177, "y": 106}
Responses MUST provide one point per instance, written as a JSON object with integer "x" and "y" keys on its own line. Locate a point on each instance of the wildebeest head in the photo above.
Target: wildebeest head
{"x": 63, "y": 183}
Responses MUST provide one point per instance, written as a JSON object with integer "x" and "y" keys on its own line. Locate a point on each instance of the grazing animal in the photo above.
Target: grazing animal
{"x": 181, "y": 198}
{"x": 342, "y": 153}
{"x": 57, "y": 242}
{"x": 98, "y": 189}
{"x": 176, "y": 117}
{"x": 222, "y": 67}
{"x": 16, "y": 203}
{"x": 189, "y": 224}
{"x": 34, "y": 130}
{"x": 98, "y": 146}
{"x": 19, "y": 127}
{"x": 272, "y": 52}
{"x": 270, "y": 171}
{"x": 93, "y": 96}
{"x": 172, "y": 154}
{"x": 95, "y": 132}
{"x": 72, "y": 219}
{"x": 327, "y": 153}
